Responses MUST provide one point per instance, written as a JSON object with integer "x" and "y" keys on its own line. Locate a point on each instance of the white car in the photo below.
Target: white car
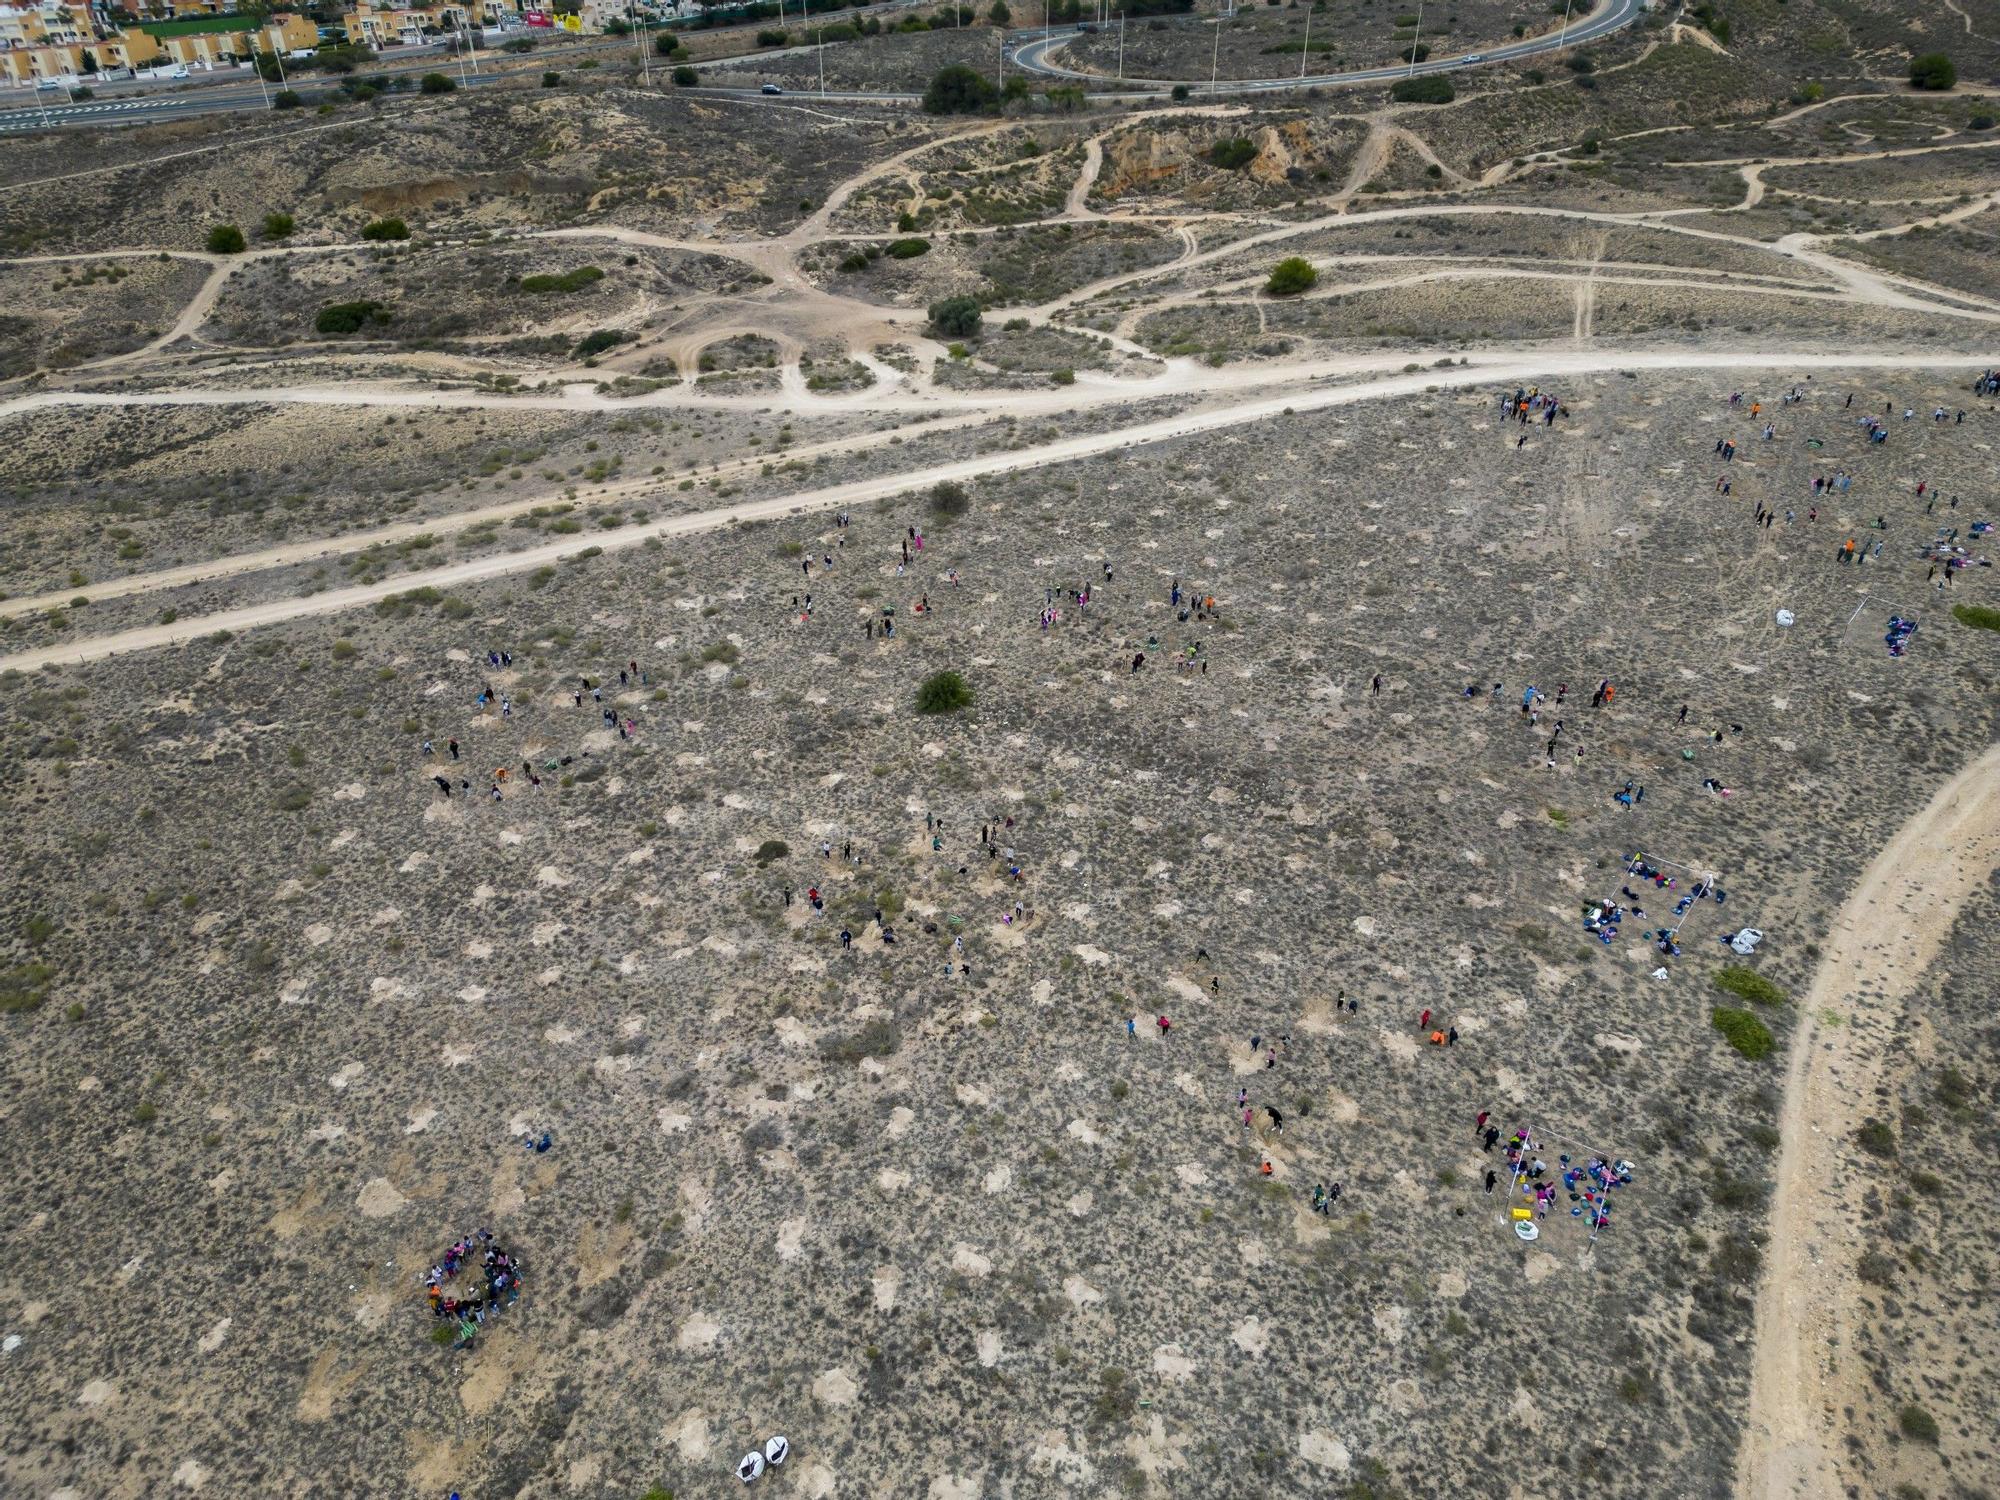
{"x": 1472, "y": 57}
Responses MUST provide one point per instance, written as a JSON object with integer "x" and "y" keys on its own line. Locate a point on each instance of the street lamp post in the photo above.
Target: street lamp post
{"x": 1306, "y": 47}
{"x": 1121, "y": 46}
{"x": 820, "y": 33}
{"x": 1564, "y": 35}
{"x": 1215, "y": 55}
{"x": 1416, "y": 40}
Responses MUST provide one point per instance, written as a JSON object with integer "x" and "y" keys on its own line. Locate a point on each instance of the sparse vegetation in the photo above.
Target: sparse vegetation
{"x": 943, "y": 693}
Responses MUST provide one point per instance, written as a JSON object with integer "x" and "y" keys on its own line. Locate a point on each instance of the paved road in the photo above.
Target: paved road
{"x": 1033, "y": 57}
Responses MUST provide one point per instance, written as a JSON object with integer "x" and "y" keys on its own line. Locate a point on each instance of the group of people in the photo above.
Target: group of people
{"x": 497, "y": 1286}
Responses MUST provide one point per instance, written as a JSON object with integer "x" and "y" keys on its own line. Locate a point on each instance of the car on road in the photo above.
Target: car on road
{"x": 1470, "y": 58}
{"x": 770, "y": 88}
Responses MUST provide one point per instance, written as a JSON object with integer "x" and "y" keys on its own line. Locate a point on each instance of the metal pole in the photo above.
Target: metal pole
{"x": 467, "y": 32}
{"x": 820, "y": 32}
{"x": 1215, "y": 55}
{"x": 262, "y": 88}
{"x": 1000, "y": 36}
{"x": 1565, "y": 26}
{"x": 1418, "y": 38}
{"x": 278, "y": 53}
{"x": 1121, "y": 46}
{"x": 1305, "y": 50}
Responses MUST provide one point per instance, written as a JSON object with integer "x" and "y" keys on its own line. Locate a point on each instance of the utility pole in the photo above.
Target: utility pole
{"x": 278, "y": 53}
{"x": 1564, "y": 36}
{"x": 1305, "y": 48}
{"x": 1215, "y": 55}
{"x": 1416, "y": 40}
{"x": 1000, "y": 36}
{"x": 820, "y": 33}
{"x": 1121, "y": 46}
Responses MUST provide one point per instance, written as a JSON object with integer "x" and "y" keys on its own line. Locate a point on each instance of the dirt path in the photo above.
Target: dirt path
{"x": 1890, "y": 928}
{"x": 1302, "y": 389}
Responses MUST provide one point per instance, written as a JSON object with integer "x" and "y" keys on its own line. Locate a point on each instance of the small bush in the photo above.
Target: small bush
{"x": 1748, "y": 984}
{"x": 225, "y": 239}
{"x": 1979, "y": 122}
{"x": 278, "y": 226}
{"x": 24, "y": 987}
{"x": 1233, "y": 153}
{"x": 567, "y": 281}
{"x": 1917, "y": 1424}
{"x": 876, "y": 1039}
{"x": 348, "y": 317}
{"x": 949, "y": 499}
{"x": 385, "y": 229}
{"x": 1978, "y": 616}
{"x": 437, "y": 83}
{"x": 552, "y": 80}
{"x": 1743, "y": 1031}
{"x": 685, "y": 77}
{"x": 598, "y": 342}
{"x": 1415, "y": 53}
{"x": 286, "y": 99}
{"x": 1876, "y": 1138}
{"x": 1179, "y": 93}
{"x": 1432, "y": 88}
{"x": 943, "y": 693}
{"x": 772, "y": 849}
{"x": 1933, "y": 70}
{"x": 1292, "y": 275}
{"x": 772, "y": 38}
{"x": 908, "y": 249}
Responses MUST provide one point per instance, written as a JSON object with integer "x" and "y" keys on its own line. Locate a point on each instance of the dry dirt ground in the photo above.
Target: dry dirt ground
{"x": 283, "y": 1013}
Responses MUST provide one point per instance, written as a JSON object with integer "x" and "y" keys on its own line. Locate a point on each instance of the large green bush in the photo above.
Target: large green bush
{"x": 225, "y": 239}
{"x": 1233, "y": 153}
{"x": 908, "y": 249}
{"x": 437, "y": 83}
{"x": 955, "y": 317}
{"x": 1431, "y": 88}
{"x": 1748, "y": 984}
{"x": 1933, "y": 70}
{"x": 1978, "y": 616}
{"x": 566, "y": 281}
{"x": 1292, "y": 275}
{"x": 1743, "y": 1031}
{"x": 959, "y": 90}
{"x": 347, "y": 317}
{"x": 943, "y": 693}
{"x": 385, "y": 229}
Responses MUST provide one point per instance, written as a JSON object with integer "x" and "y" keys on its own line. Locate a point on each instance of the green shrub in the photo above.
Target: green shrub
{"x": 1415, "y": 53}
{"x": 1179, "y": 93}
{"x": 347, "y": 317}
{"x": 854, "y": 262}
{"x": 772, "y": 849}
{"x": 1748, "y": 984}
{"x": 1978, "y": 616}
{"x": 567, "y": 281}
{"x": 876, "y": 1039}
{"x": 1063, "y": 377}
{"x": 1290, "y": 276}
{"x": 943, "y": 693}
{"x": 949, "y": 499}
{"x": 437, "y": 83}
{"x": 959, "y": 90}
{"x": 277, "y": 226}
{"x": 24, "y": 987}
{"x": 598, "y": 342}
{"x": 225, "y": 239}
{"x": 1233, "y": 153}
{"x": 385, "y": 229}
{"x": 1917, "y": 1424}
{"x": 908, "y": 249}
{"x": 1933, "y": 70}
{"x": 1743, "y": 1031}
{"x": 1980, "y": 122}
{"x": 552, "y": 80}
{"x": 286, "y": 99}
{"x": 1432, "y": 88}
{"x": 685, "y": 77}
{"x": 1876, "y": 1138}
{"x": 772, "y": 38}
{"x": 955, "y": 317}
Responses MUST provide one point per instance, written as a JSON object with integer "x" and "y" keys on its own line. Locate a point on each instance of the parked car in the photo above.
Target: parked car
{"x": 771, "y": 88}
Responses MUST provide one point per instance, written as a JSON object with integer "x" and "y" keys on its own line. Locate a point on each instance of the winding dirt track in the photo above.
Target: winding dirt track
{"x": 1890, "y": 929}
